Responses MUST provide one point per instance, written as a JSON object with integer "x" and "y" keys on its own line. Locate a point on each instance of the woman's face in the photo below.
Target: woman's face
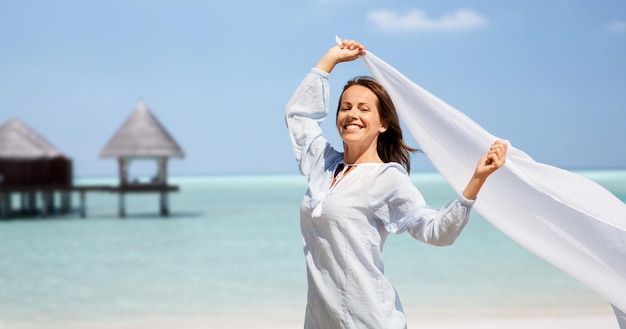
{"x": 358, "y": 120}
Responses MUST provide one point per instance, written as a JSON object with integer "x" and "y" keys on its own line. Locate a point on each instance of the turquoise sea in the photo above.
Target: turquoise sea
{"x": 231, "y": 250}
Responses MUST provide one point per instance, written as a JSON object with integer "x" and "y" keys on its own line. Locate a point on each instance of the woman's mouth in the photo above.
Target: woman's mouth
{"x": 352, "y": 127}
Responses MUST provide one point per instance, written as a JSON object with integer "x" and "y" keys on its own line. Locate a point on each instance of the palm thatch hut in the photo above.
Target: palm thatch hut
{"x": 27, "y": 162}
{"x": 142, "y": 137}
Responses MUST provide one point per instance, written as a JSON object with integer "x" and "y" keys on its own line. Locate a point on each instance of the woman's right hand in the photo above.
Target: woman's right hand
{"x": 348, "y": 50}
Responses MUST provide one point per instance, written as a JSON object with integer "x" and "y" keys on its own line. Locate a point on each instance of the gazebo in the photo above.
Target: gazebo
{"x": 29, "y": 163}
{"x": 142, "y": 137}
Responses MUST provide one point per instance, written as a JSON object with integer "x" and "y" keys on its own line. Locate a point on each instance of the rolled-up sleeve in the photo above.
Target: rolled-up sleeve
{"x": 399, "y": 205}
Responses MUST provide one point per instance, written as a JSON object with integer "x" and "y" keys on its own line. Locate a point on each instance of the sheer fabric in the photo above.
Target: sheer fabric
{"x": 564, "y": 218}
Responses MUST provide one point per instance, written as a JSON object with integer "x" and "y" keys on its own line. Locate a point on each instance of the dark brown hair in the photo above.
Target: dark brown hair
{"x": 391, "y": 146}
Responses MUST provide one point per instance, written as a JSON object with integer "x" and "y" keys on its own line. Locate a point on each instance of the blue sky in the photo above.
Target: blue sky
{"x": 549, "y": 76}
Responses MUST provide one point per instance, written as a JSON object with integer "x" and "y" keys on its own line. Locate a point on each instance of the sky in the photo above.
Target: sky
{"x": 548, "y": 76}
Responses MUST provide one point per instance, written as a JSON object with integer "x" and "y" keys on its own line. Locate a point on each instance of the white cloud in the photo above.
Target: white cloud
{"x": 416, "y": 20}
{"x": 617, "y": 26}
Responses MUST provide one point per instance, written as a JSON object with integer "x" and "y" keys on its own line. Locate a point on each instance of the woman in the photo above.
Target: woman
{"x": 357, "y": 197}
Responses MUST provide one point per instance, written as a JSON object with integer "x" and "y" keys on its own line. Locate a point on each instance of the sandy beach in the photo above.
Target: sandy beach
{"x": 600, "y": 321}
{"x": 567, "y": 319}
{"x": 593, "y": 320}
{"x": 543, "y": 322}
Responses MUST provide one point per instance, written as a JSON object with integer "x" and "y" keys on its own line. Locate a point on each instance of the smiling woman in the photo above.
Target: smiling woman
{"x": 374, "y": 105}
{"x": 359, "y": 123}
{"x": 355, "y": 198}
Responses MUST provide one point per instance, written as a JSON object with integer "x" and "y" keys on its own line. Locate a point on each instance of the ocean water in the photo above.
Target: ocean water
{"x": 231, "y": 249}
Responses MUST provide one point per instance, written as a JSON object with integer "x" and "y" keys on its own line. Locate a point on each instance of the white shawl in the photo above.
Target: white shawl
{"x": 566, "y": 219}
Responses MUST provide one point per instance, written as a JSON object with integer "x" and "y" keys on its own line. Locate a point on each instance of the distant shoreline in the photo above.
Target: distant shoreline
{"x": 580, "y": 171}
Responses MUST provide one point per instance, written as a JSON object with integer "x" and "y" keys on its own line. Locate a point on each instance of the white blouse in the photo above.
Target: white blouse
{"x": 344, "y": 227}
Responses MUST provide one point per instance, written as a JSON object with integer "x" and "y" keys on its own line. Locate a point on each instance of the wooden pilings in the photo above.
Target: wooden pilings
{"x": 5, "y": 204}
{"x": 47, "y": 195}
{"x": 28, "y": 204}
{"x": 122, "y": 206}
{"x": 164, "y": 201}
{"x": 83, "y": 204}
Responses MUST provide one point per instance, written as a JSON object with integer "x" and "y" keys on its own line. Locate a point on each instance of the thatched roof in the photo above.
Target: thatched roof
{"x": 20, "y": 142}
{"x": 142, "y": 136}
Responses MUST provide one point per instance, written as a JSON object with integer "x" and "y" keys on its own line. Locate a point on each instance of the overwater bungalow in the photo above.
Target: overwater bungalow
{"x": 143, "y": 137}
{"x": 30, "y": 164}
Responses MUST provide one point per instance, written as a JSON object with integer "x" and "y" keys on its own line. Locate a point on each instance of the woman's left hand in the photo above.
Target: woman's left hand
{"x": 493, "y": 160}
{"x": 489, "y": 163}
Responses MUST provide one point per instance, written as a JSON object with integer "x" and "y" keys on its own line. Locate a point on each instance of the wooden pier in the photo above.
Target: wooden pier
{"x": 38, "y": 173}
{"x": 29, "y": 196}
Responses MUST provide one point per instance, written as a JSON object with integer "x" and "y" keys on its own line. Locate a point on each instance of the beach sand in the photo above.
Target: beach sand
{"x": 591, "y": 316}
{"x": 534, "y": 322}
{"x": 595, "y": 321}
{"x": 543, "y": 322}
{"x": 602, "y": 320}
